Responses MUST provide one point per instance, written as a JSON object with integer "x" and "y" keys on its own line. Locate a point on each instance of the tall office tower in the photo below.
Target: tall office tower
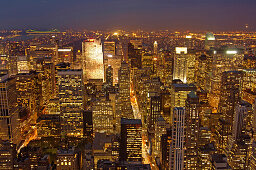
{"x": 166, "y": 140}
{"x": 239, "y": 145}
{"x": 238, "y": 123}
{"x": 65, "y": 55}
{"x": 115, "y": 63}
{"x": 109, "y": 76}
{"x": 202, "y": 76}
{"x": 93, "y": 67}
{"x": 168, "y": 68}
{"x": 179, "y": 94}
{"x": 109, "y": 51}
{"x": 155, "y": 51}
{"x": 48, "y": 84}
{"x": 23, "y": 65}
{"x": 29, "y": 92}
{"x": 160, "y": 129}
{"x": 131, "y": 140}
{"x": 7, "y": 155}
{"x": 88, "y": 124}
{"x": 124, "y": 91}
{"x": 249, "y": 85}
{"x": 147, "y": 61}
{"x": 230, "y": 97}
{"x": 9, "y": 113}
{"x": 155, "y": 110}
{"x": 134, "y": 56}
{"x": 180, "y": 64}
{"x": 192, "y": 131}
{"x": 109, "y": 48}
{"x": 103, "y": 117}
{"x": 223, "y": 59}
{"x": 71, "y": 101}
{"x": 209, "y": 41}
{"x": 177, "y": 148}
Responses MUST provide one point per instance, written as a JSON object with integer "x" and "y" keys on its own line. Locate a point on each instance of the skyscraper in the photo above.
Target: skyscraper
{"x": 93, "y": 67}
{"x": 71, "y": 101}
{"x": 103, "y": 116}
{"x": 124, "y": 91}
{"x": 180, "y": 64}
{"x": 131, "y": 140}
{"x": 177, "y": 146}
{"x": 109, "y": 76}
{"x": 192, "y": 131}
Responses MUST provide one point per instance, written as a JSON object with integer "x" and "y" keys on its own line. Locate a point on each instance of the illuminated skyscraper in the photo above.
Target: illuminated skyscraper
{"x": 134, "y": 55}
{"x": 223, "y": 59}
{"x": 180, "y": 64}
{"x": 71, "y": 101}
{"x": 177, "y": 148}
{"x": 124, "y": 91}
{"x": 103, "y": 117}
{"x": 131, "y": 140}
{"x": 115, "y": 63}
{"x": 192, "y": 131}
{"x": 179, "y": 94}
{"x": 93, "y": 67}
{"x": 109, "y": 76}
{"x": 155, "y": 109}
{"x": 109, "y": 48}
{"x": 9, "y": 112}
{"x": 155, "y": 48}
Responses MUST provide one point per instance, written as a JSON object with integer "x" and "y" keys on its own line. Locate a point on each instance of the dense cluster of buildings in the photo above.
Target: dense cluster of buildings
{"x": 158, "y": 100}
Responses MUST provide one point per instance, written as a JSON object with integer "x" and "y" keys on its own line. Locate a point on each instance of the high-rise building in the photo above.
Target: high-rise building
{"x": 71, "y": 101}
{"x": 184, "y": 65}
{"x": 179, "y": 94}
{"x": 131, "y": 140}
{"x": 109, "y": 48}
{"x": 192, "y": 131}
{"x": 180, "y": 64}
{"x": 88, "y": 124}
{"x": 155, "y": 51}
{"x": 134, "y": 56}
{"x": 155, "y": 109}
{"x": 109, "y": 76}
{"x": 9, "y": 112}
{"x": 103, "y": 116}
{"x": 177, "y": 148}
{"x": 223, "y": 59}
{"x": 230, "y": 97}
{"x": 124, "y": 91}
{"x": 93, "y": 67}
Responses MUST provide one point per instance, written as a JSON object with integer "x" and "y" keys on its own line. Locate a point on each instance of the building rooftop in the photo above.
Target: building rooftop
{"x": 130, "y": 121}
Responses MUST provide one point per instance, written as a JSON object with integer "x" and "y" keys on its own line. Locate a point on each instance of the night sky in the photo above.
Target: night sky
{"x": 214, "y": 15}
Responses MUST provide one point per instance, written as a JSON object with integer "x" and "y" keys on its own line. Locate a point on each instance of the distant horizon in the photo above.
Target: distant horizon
{"x": 194, "y": 15}
{"x": 129, "y": 30}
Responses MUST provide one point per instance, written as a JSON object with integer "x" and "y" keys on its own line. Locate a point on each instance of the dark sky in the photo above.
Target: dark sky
{"x": 128, "y": 14}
